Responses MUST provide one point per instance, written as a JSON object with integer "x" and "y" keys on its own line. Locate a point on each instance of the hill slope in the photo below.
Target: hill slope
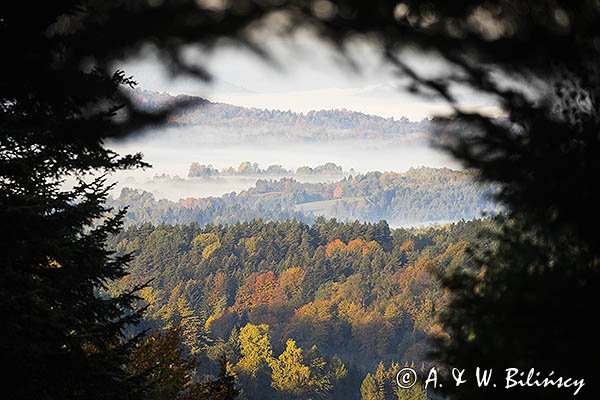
{"x": 322, "y": 124}
{"x": 419, "y": 196}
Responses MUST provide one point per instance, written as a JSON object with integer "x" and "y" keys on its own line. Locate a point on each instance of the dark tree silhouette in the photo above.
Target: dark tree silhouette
{"x": 59, "y": 100}
{"x": 222, "y": 387}
{"x": 162, "y": 366}
{"x": 62, "y": 335}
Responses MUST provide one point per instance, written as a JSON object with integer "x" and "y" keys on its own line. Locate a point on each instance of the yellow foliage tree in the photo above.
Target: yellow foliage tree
{"x": 255, "y": 349}
{"x": 207, "y": 243}
{"x": 289, "y": 373}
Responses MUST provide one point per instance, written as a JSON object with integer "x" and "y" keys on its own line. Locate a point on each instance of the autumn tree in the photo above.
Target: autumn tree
{"x": 291, "y": 282}
{"x": 416, "y": 392}
{"x": 289, "y": 374}
{"x": 369, "y": 389}
{"x": 255, "y": 349}
{"x": 381, "y": 380}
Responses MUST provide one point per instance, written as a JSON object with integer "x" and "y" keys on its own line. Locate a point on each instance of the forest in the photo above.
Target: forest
{"x": 421, "y": 195}
{"x": 261, "y": 294}
{"x": 314, "y": 125}
{"x": 301, "y": 311}
{"x": 247, "y": 168}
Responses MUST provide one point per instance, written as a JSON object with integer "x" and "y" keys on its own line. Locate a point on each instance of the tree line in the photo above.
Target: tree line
{"x": 247, "y": 168}
{"x": 314, "y": 125}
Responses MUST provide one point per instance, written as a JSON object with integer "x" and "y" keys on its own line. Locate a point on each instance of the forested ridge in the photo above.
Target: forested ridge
{"x": 340, "y": 299}
{"x": 314, "y": 125}
{"x": 421, "y": 195}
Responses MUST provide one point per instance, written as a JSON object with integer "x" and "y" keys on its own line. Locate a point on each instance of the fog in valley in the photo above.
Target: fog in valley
{"x": 171, "y": 150}
{"x": 318, "y": 80}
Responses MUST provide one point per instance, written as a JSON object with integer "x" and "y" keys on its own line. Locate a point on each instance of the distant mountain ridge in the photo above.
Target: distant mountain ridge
{"x": 324, "y": 123}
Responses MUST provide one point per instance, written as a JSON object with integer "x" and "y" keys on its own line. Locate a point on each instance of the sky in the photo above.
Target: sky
{"x": 304, "y": 74}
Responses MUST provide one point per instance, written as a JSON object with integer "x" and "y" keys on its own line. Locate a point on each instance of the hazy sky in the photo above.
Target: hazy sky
{"x": 306, "y": 75}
